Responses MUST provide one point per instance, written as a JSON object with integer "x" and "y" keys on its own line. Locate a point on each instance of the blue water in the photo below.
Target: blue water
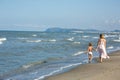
{"x": 36, "y": 55}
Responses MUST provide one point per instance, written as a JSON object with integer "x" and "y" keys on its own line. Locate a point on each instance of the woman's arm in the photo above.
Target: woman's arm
{"x": 105, "y": 43}
{"x": 98, "y": 42}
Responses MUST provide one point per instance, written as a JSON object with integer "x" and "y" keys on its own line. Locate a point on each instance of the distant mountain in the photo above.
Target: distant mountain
{"x": 67, "y": 30}
{"x": 116, "y": 31}
{"x": 57, "y": 30}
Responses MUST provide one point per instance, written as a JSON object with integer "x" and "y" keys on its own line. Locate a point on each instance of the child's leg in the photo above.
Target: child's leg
{"x": 90, "y": 58}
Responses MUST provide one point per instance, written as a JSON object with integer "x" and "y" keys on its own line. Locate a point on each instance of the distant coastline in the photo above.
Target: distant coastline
{"x": 68, "y": 30}
{"x": 58, "y": 29}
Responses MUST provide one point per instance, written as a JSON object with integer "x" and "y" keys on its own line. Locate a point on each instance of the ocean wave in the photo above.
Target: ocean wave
{"x": 85, "y": 61}
{"x": 2, "y": 40}
{"x": 110, "y": 36}
{"x": 78, "y": 53}
{"x": 110, "y": 47}
{"x": 76, "y": 42}
{"x": 85, "y": 36}
{"x": 23, "y": 70}
{"x": 70, "y": 39}
{"x": 58, "y": 70}
{"x": 33, "y": 64}
{"x": 52, "y": 40}
{"x": 116, "y": 40}
{"x": 53, "y": 58}
{"x": 34, "y": 35}
{"x": 49, "y": 40}
{"x": 36, "y": 41}
{"x": 95, "y": 37}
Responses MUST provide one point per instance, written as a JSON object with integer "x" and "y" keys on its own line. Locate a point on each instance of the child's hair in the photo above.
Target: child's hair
{"x": 90, "y": 44}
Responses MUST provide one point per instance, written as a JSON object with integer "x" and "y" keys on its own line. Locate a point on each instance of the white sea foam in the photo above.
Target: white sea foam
{"x": 85, "y": 61}
{"x": 106, "y": 36}
{"x": 56, "y": 71}
{"x": 36, "y": 41}
{"x": 2, "y": 40}
{"x": 78, "y": 31}
{"x": 33, "y": 64}
{"x": 110, "y": 47}
{"x": 52, "y": 40}
{"x": 85, "y": 36}
{"x": 116, "y": 40}
{"x": 49, "y": 40}
{"x": 110, "y": 36}
{"x": 34, "y": 35}
{"x": 95, "y": 37}
{"x": 70, "y": 39}
{"x": 78, "y": 53}
{"x": 26, "y": 66}
{"x": 76, "y": 42}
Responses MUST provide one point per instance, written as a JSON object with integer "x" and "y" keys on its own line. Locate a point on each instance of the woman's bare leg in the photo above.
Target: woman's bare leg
{"x": 100, "y": 59}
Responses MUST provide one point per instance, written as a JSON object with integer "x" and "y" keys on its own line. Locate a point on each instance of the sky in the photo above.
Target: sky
{"x": 38, "y": 15}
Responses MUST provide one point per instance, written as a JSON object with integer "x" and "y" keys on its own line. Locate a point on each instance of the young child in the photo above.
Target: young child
{"x": 89, "y": 51}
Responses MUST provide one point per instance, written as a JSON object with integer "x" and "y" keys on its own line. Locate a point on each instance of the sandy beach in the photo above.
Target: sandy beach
{"x": 109, "y": 69}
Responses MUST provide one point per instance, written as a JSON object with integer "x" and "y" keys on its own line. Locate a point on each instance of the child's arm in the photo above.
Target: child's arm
{"x": 93, "y": 48}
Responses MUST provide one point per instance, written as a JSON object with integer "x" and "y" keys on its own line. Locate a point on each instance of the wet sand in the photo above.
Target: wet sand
{"x": 109, "y": 69}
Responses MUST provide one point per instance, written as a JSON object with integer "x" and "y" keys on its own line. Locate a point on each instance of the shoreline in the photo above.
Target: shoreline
{"x": 109, "y": 69}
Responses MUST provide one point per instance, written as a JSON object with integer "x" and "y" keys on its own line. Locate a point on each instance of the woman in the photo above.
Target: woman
{"x": 101, "y": 47}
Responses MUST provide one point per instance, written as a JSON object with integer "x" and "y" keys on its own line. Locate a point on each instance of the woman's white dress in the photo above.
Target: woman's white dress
{"x": 102, "y": 50}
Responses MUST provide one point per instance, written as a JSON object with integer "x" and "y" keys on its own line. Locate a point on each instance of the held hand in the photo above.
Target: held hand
{"x": 96, "y": 49}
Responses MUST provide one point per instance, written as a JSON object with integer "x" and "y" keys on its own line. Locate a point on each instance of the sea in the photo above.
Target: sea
{"x": 36, "y": 55}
